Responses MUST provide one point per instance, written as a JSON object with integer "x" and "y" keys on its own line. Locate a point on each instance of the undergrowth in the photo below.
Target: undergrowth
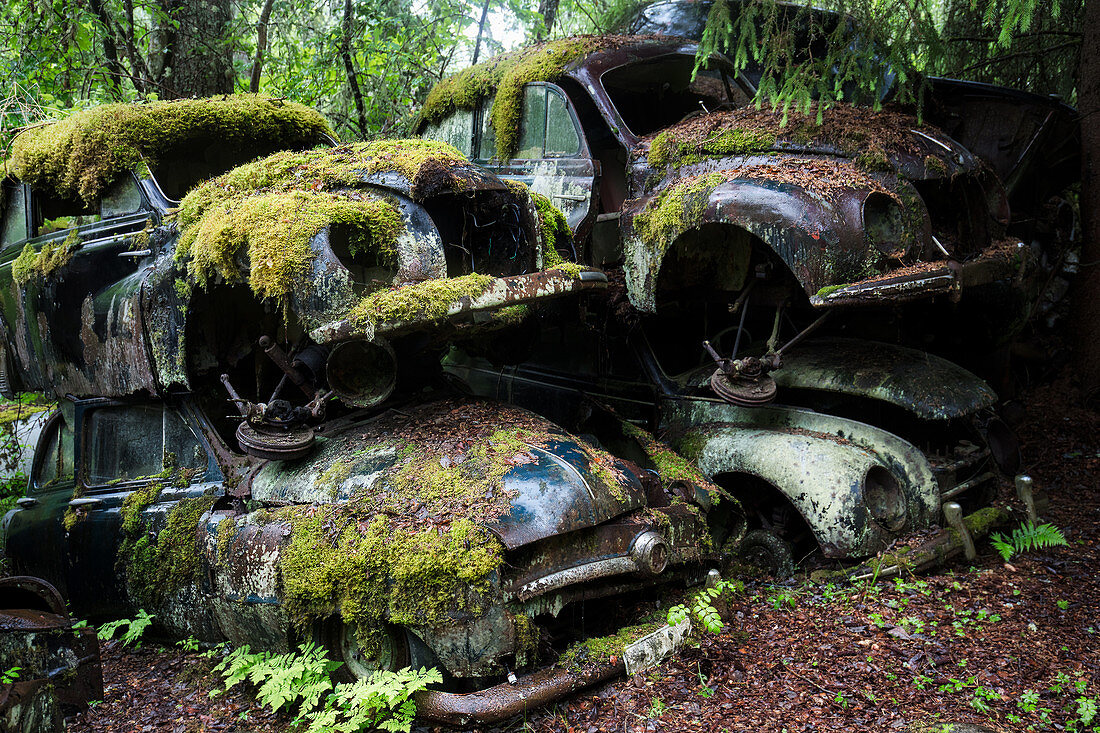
{"x": 1025, "y": 538}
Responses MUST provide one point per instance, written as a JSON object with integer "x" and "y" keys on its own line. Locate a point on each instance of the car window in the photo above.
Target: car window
{"x": 55, "y": 213}
{"x": 13, "y": 226}
{"x": 562, "y": 137}
{"x": 126, "y": 443}
{"x": 487, "y": 149}
{"x": 123, "y": 197}
{"x": 55, "y": 463}
{"x": 547, "y": 128}
{"x": 456, "y": 130}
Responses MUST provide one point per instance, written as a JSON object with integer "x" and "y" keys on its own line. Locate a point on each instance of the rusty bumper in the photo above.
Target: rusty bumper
{"x": 505, "y": 700}
{"x": 999, "y": 263}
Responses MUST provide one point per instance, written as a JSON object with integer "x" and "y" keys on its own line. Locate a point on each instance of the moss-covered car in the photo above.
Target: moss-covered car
{"x": 256, "y": 441}
{"x": 697, "y": 193}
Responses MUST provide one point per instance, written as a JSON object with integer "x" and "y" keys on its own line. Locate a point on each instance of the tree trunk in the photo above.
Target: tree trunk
{"x": 548, "y": 9}
{"x": 198, "y": 57}
{"x": 349, "y": 68}
{"x": 1086, "y": 299}
{"x": 261, "y": 46}
{"x": 110, "y": 48}
{"x": 480, "y": 31}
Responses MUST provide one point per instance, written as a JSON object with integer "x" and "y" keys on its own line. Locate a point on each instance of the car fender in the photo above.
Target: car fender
{"x": 818, "y": 462}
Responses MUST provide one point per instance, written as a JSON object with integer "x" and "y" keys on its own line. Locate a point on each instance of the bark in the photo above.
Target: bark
{"x": 110, "y": 48}
{"x": 480, "y": 31}
{"x": 198, "y": 53}
{"x": 548, "y": 9}
{"x": 261, "y": 46}
{"x": 349, "y": 68}
{"x": 1086, "y": 299}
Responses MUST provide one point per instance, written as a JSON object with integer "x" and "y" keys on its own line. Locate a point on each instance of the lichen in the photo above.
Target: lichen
{"x": 502, "y": 77}
{"x": 84, "y": 153}
{"x": 428, "y": 300}
{"x": 266, "y": 212}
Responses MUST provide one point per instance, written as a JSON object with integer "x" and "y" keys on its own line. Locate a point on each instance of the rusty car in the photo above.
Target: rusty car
{"x": 255, "y": 439}
{"x": 50, "y": 668}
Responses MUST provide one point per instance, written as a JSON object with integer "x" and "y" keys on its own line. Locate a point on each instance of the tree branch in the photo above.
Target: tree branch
{"x": 261, "y": 46}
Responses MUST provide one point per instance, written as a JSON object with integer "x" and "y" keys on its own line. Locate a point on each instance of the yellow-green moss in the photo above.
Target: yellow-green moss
{"x": 46, "y": 261}
{"x": 679, "y": 207}
{"x": 671, "y": 466}
{"x": 600, "y": 650}
{"x": 428, "y": 300}
{"x": 669, "y": 150}
{"x": 552, "y": 223}
{"x": 84, "y": 153}
{"x": 266, "y": 212}
{"x": 374, "y": 573}
{"x": 504, "y": 77}
{"x": 830, "y": 289}
{"x": 15, "y": 410}
{"x": 333, "y": 477}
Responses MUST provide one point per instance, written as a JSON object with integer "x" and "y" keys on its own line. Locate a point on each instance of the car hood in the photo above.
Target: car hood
{"x": 886, "y": 141}
{"x": 510, "y": 471}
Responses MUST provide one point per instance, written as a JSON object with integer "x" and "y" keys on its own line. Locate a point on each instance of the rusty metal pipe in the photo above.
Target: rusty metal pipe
{"x": 501, "y": 702}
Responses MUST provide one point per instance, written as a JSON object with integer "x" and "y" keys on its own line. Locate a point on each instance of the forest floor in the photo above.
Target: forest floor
{"x": 1009, "y": 646}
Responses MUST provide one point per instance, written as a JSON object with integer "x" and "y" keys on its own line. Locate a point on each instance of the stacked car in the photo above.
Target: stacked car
{"x": 465, "y": 400}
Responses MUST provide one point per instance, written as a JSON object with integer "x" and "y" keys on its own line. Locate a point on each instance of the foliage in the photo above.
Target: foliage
{"x": 135, "y": 627}
{"x": 1027, "y": 537}
{"x": 9, "y": 675}
{"x": 302, "y": 680}
{"x": 701, "y": 608}
{"x": 13, "y": 481}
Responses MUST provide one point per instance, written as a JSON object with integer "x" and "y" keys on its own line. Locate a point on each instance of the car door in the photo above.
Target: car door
{"x": 553, "y": 157}
{"x": 77, "y": 262}
{"x": 126, "y": 448}
{"x": 35, "y": 530}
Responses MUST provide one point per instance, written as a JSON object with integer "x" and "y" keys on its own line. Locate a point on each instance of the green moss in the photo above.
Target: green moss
{"x": 428, "y": 300}
{"x": 47, "y": 260}
{"x": 374, "y": 573}
{"x": 671, "y": 466}
{"x": 669, "y": 150}
{"x": 183, "y": 289}
{"x": 504, "y": 77}
{"x": 600, "y": 650}
{"x": 12, "y": 411}
{"x": 678, "y": 208}
{"x": 84, "y": 153}
{"x": 935, "y": 166}
{"x": 227, "y": 530}
{"x": 552, "y": 224}
{"x": 830, "y": 289}
{"x": 266, "y": 212}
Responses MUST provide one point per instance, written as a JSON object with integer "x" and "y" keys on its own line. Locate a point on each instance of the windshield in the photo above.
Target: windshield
{"x": 653, "y": 94}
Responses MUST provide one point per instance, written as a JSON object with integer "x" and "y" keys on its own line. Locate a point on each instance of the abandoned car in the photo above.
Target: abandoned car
{"x": 849, "y": 447}
{"x": 689, "y": 187}
{"x": 256, "y": 442}
{"x": 50, "y": 669}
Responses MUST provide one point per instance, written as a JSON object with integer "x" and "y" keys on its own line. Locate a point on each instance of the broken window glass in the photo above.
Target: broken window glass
{"x": 123, "y": 197}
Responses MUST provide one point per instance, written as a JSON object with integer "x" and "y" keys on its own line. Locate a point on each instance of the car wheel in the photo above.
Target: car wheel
{"x": 765, "y": 550}
{"x": 343, "y": 642}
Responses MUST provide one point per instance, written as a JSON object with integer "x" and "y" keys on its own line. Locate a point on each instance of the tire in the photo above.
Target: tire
{"x": 343, "y": 645}
{"x": 765, "y": 550}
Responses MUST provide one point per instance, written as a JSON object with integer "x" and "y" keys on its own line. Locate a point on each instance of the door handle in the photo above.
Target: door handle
{"x": 136, "y": 253}
{"x": 569, "y": 196}
{"x": 85, "y": 502}
{"x": 27, "y": 502}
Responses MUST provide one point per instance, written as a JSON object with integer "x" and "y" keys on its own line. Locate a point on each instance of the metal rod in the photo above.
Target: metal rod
{"x": 805, "y": 332}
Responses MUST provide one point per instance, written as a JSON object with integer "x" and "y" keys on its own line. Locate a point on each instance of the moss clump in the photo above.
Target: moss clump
{"x": 428, "y": 300}
{"x": 374, "y": 573}
{"x": 679, "y": 207}
{"x": 84, "y": 153}
{"x": 830, "y": 289}
{"x": 671, "y": 466}
{"x": 12, "y": 411}
{"x": 600, "y": 650}
{"x": 504, "y": 77}
{"x": 46, "y": 261}
{"x": 266, "y": 212}
{"x": 333, "y": 477}
{"x": 670, "y": 150}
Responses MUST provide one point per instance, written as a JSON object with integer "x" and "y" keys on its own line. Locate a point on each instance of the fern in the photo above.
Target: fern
{"x": 1025, "y": 538}
{"x": 381, "y": 702}
{"x": 135, "y": 627}
{"x": 702, "y": 608}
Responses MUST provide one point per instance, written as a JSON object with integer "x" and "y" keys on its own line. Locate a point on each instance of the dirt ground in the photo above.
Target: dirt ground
{"x": 1011, "y": 646}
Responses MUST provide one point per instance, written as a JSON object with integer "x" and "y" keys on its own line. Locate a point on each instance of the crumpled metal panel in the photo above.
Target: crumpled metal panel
{"x": 819, "y": 463}
{"x": 921, "y": 383}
